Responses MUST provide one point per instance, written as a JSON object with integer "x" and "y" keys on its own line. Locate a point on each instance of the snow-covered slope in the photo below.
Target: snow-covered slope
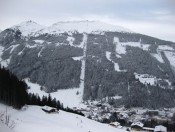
{"x": 4, "y": 128}
{"x": 82, "y": 26}
{"x": 28, "y": 28}
{"x": 0, "y": 31}
{"x": 171, "y": 57}
{"x": 69, "y": 97}
{"x": 33, "y": 119}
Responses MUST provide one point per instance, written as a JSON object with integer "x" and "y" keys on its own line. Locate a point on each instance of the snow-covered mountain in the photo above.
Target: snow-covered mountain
{"x": 33, "y": 118}
{"x": 82, "y": 27}
{"x": 28, "y": 28}
{"x": 93, "y": 60}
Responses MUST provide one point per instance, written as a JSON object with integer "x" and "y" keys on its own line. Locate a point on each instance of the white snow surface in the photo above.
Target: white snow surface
{"x": 71, "y": 39}
{"x": 137, "y": 124}
{"x": 158, "y": 57}
{"x": 120, "y": 49}
{"x": 165, "y": 47}
{"x": 39, "y": 53}
{"x": 4, "y": 128}
{"x": 116, "y": 66}
{"x": 68, "y": 97}
{"x": 5, "y": 63}
{"x": 83, "y": 65}
{"x": 171, "y": 57}
{"x": 28, "y": 28}
{"x": 121, "y": 46}
{"x": 21, "y": 52}
{"x": 82, "y": 27}
{"x": 34, "y": 119}
{"x": 1, "y": 52}
{"x": 136, "y": 44}
{"x": 31, "y": 46}
{"x": 12, "y": 47}
{"x": 39, "y": 41}
{"x": 77, "y": 58}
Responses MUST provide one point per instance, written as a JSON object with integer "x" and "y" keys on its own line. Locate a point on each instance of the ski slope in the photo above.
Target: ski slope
{"x": 68, "y": 97}
{"x": 34, "y": 119}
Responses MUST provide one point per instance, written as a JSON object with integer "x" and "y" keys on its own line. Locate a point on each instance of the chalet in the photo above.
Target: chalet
{"x": 137, "y": 126}
{"x": 114, "y": 124}
{"x": 48, "y": 109}
{"x": 160, "y": 128}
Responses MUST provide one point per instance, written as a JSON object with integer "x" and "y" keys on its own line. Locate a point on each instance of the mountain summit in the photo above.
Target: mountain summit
{"x": 28, "y": 28}
{"x": 83, "y": 26}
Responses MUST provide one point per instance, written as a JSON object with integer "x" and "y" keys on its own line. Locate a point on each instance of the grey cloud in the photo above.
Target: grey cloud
{"x": 50, "y": 11}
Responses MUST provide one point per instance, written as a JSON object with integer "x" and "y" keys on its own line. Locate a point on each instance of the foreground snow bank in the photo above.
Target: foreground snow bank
{"x": 4, "y": 128}
{"x": 33, "y": 119}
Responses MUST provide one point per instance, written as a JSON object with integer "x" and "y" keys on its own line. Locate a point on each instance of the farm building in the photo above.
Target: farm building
{"x": 137, "y": 126}
{"x": 48, "y": 109}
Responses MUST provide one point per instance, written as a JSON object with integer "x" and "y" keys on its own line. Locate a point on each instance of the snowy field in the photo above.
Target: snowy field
{"x": 68, "y": 97}
{"x": 34, "y": 119}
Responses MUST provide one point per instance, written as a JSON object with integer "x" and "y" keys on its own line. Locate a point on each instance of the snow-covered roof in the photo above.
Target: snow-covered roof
{"x": 148, "y": 128}
{"x": 115, "y": 123}
{"x": 137, "y": 124}
{"x": 160, "y": 128}
{"x": 48, "y": 108}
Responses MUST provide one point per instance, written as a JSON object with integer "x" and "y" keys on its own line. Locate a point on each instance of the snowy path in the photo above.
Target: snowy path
{"x": 83, "y": 62}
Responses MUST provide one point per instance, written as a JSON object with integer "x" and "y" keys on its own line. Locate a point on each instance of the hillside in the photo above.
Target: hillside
{"x": 32, "y": 118}
{"x": 96, "y": 59}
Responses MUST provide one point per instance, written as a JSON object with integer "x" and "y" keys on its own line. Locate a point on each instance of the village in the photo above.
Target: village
{"x": 131, "y": 119}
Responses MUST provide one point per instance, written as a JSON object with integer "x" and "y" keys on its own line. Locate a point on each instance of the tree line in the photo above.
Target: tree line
{"x": 13, "y": 92}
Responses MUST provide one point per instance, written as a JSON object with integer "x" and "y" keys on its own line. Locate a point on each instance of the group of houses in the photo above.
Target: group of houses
{"x": 138, "y": 126}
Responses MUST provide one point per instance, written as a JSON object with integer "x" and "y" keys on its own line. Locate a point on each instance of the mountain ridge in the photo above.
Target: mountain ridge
{"x": 111, "y": 64}
{"x": 66, "y": 26}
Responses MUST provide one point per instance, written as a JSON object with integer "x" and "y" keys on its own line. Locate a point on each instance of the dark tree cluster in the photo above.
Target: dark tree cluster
{"x": 12, "y": 91}
{"x": 34, "y": 99}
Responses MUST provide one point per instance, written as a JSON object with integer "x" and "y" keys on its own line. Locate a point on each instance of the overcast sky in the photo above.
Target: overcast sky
{"x": 152, "y": 17}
